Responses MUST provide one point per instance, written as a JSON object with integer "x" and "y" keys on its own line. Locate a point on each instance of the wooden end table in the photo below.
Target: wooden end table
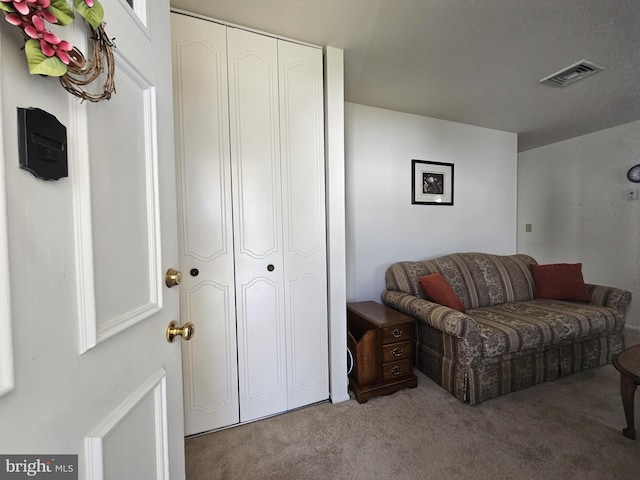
{"x": 627, "y": 363}
{"x": 381, "y": 342}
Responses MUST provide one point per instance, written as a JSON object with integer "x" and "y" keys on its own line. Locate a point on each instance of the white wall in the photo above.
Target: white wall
{"x": 382, "y": 224}
{"x": 573, "y": 193}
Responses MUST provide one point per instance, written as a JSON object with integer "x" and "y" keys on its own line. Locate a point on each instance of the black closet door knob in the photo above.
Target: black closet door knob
{"x": 270, "y": 267}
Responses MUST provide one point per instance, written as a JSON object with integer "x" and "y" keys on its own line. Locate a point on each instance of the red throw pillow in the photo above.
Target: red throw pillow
{"x": 438, "y": 290}
{"x": 560, "y": 281}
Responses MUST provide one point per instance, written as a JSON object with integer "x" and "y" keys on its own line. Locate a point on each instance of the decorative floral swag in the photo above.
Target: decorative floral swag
{"x": 49, "y": 55}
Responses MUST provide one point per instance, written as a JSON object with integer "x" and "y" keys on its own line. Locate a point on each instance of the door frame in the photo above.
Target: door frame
{"x": 336, "y": 222}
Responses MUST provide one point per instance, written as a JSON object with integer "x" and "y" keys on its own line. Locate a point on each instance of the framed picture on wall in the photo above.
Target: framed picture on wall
{"x": 431, "y": 183}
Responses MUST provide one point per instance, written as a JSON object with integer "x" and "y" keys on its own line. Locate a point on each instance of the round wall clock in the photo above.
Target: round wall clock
{"x": 634, "y": 174}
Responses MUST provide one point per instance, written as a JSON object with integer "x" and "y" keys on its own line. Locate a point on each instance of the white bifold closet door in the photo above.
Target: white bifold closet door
{"x": 251, "y": 191}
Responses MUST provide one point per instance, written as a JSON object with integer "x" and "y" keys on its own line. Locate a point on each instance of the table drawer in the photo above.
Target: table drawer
{"x": 396, "y": 351}
{"x": 397, "y": 369}
{"x": 397, "y": 333}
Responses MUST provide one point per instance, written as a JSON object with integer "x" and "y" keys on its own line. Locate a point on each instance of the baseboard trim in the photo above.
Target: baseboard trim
{"x": 340, "y": 398}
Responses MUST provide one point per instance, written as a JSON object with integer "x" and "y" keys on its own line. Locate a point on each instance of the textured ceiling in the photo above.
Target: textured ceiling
{"x": 471, "y": 61}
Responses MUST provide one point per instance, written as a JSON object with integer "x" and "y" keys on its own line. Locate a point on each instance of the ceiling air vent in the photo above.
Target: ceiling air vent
{"x": 572, "y": 74}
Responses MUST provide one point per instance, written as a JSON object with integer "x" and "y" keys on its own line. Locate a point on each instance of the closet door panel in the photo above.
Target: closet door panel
{"x": 304, "y": 237}
{"x": 263, "y": 374}
{"x": 255, "y": 144}
{"x": 205, "y": 225}
{"x": 257, "y": 211}
{"x": 307, "y": 367}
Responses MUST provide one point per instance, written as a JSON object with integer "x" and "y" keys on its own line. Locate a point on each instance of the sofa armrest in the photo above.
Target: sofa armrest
{"x": 611, "y": 297}
{"x": 445, "y": 319}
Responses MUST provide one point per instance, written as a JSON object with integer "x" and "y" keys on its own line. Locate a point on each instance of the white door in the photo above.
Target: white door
{"x": 204, "y": 212}
{"x": 304, "y": 222}
{"x": 277, "y": 158}
{"x": 259, "y": 259}
{"x": 92, "y": 372}
{"x": 253, "y": 222}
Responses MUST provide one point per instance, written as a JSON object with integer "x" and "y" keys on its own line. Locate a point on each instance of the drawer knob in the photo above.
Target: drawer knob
{"x": 396, "y": 333}
{"x": 397, "y": 370}
{"x": 397, "y": 352}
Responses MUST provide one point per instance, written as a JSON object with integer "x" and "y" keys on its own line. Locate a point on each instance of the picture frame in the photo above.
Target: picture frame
{"x": 431, "y": 183}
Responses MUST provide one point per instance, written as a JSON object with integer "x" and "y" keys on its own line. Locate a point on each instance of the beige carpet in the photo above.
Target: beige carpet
{"x": 568, "y": 429}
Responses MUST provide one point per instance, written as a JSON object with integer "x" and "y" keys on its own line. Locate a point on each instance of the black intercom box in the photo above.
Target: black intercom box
{"x": 42, "y": 143}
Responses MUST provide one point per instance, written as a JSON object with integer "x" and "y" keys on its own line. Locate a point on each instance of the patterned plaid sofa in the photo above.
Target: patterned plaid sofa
{"x": 507, "y": 339}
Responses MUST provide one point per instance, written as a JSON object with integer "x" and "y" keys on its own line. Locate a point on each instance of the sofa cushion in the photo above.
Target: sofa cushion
{"x": 560, "y": 281}
{"x": 513, "y": 327}
{"x": 479, "y": 279}
{"x": 437, "y": 290}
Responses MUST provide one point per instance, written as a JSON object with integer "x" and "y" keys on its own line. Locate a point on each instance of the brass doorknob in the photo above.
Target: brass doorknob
{"x": 186, "y": 331}
{"x": 172, "y": 278}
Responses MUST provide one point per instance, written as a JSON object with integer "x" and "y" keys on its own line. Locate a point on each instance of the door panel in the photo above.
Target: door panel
{"x": 206, "y": 239}
{"x": 211, "y": 389}
{"x": 255, "y": 158}
{"x": 307, "y": 369}
{"x": 262, "y": 368}
{"x": 137, "y": 425}
{"x": 126, "y": 222}
{"x": 304, "y": 240}
{"x": 255, "y": 149}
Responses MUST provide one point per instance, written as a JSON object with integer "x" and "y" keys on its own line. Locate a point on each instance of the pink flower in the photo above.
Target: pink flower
{"x": 49, "y": 43}
{"x": 89, "y": 3}
{"x": 60, "y": 49}
{"x": 41, "y": 9}
{"x": 28, "y": 7}
{"x": 36, "y": 29}
{"x": 22, "y": 6}
{"x": 17, "y": 20}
